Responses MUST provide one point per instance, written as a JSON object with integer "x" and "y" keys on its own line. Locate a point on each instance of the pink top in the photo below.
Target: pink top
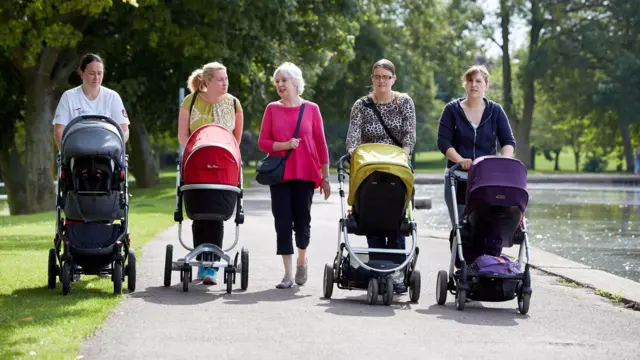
{"x": 279, "y": 124}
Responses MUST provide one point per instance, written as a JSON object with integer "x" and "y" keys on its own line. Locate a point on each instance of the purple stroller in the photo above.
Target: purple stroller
{"x": 495, "y": 201}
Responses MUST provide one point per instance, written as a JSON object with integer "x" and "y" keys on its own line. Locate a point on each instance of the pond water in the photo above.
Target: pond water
{"x": 595, "y": 225}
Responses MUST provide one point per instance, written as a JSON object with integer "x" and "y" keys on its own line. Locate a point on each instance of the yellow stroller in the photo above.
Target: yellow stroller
{"x": 380, "y": 193}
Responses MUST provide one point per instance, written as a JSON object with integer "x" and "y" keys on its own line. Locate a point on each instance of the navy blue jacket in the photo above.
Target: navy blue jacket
{"x": 454, "y": 130}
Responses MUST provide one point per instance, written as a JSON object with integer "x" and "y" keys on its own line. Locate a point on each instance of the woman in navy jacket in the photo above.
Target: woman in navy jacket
{"x": 470, "y": 127}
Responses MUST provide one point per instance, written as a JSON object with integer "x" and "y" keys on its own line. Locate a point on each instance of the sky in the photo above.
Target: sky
{"x": 518, "y": 30}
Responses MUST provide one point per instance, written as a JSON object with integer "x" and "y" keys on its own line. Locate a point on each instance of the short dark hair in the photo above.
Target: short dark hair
{"x": 88, "y": 59}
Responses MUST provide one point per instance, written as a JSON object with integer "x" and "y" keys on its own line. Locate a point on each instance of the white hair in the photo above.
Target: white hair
{"x": 292, "y": 72}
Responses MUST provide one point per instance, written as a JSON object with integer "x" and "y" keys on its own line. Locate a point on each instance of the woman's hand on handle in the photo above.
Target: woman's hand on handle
{"x": 465, "y": 163}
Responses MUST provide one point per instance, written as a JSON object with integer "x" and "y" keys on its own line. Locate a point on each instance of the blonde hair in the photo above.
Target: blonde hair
{"x": 292, "y": 72}
{"x": 473, "y": 70}
{"x": 197, "y": 78}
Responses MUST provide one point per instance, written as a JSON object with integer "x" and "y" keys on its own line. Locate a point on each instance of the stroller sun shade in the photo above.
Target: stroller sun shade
{"x": 93, "y": 136}
{"x": 211, "y": 156}
{"x": 368, "y": 158}
{"x": 496, "y": 180}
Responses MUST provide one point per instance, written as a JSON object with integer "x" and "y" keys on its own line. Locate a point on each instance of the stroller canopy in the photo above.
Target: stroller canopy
{"x": 211, "y": 156}
{"x": 90, "y": 135}
{"x": 368, "y": 158}
{"x": 496, "y": 180}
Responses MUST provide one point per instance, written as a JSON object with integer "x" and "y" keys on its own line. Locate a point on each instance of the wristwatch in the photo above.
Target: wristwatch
{"x": 326, "y": 180}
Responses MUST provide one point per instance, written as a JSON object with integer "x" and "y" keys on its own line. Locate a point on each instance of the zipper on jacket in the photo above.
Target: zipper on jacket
{"x": 475, "y": 132}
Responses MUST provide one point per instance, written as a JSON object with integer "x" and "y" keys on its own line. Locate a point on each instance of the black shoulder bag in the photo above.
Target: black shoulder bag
{"x": 270, "y": 170}
{"x": 371, "y": 105}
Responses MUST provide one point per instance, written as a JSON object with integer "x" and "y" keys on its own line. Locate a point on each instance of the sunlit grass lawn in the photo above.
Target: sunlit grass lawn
{"x": 37, "y": 321}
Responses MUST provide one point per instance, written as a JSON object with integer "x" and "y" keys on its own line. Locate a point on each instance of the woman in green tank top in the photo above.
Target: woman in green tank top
{"x": 209, "y": 103}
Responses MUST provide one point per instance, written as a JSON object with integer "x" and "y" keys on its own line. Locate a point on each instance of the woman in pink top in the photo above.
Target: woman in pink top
{"x": 306, "y": 169}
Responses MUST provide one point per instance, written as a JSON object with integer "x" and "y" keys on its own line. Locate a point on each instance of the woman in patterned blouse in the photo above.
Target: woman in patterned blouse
{"x": 399, "y": 115}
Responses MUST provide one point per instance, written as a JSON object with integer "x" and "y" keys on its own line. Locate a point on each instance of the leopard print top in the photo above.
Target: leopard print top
{"x": 399, "y": 115}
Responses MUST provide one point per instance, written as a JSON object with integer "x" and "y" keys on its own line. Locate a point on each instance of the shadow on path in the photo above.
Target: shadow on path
{"x": 476, "y": 314}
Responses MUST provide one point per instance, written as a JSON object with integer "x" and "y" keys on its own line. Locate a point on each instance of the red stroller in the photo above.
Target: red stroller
{"x": 209, "y": 181}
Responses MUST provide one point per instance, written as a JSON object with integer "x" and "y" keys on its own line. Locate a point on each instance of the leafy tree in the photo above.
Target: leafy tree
{"x": 40, "y": 40}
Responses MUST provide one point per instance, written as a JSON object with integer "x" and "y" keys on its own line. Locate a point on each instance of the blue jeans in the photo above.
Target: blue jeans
{"x": 637, "y": 163}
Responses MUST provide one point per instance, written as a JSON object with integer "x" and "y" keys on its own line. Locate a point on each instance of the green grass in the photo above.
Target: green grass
{"x": 34, "y": 319}
{"x": 434, "y": 162}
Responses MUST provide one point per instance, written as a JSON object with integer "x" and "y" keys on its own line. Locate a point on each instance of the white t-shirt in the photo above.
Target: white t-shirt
{"x": 74, "y": 103}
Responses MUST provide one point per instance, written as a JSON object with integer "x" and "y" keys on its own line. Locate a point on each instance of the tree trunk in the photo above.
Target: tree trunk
{"x": 523, "y": 132}
{"x": 626, "y": 143}
{"x": 576, "y": 156}
{"x": 507, "y": 94}
{"x": 14, "y": 179}
{"x": 39, "y": 114}
{"x": 142, "y": 162}
{"x": 556, "y": 166}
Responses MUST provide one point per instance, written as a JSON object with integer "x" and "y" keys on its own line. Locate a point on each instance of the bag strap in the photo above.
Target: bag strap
{"x": 371, "y": 105}
{"x": 193, "y": 101}
{"x": 295, "y": 133}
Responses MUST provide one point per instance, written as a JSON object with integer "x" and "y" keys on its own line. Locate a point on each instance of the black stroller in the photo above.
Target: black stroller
{"x": 380, "y": 191}
{"x": 92, "y": 191}
{"x": 495, "y": 201}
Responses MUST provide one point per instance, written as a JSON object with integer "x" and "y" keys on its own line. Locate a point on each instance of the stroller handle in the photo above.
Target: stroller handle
{"x": 453, "y": 175}
{"x": 344, "y": 159}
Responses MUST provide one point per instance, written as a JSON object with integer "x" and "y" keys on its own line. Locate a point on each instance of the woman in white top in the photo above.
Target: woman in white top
{"x": 90, "y": 98}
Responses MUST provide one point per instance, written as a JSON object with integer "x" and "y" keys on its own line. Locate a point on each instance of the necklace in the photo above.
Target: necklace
{"x": 375, "y": 97}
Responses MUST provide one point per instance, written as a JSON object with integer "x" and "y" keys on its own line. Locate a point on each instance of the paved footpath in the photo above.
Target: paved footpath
{"x": 564, "y": 322}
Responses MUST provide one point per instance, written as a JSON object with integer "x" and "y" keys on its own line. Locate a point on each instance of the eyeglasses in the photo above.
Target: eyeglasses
{"x": 381, "y": 77}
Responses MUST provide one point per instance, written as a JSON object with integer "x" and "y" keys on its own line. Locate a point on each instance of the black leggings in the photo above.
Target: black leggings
{"x": 291, "y": 208}
{"x": 207, "y": 231}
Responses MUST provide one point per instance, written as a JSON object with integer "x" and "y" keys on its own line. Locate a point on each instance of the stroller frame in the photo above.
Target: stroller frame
{"x": 123, "y": 257}
{"x": 239, "y": 264}
{"x": 380, "y": 282}
{"x": 458, "y": 283}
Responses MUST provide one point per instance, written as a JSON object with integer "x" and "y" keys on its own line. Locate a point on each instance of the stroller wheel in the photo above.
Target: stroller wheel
{"x": 461, "y": 299}
{"x": 387, "y": 296}
{"x": 66, "y": 278}
{"x": 229, "y": 277}
{"x": 185, "y": 275}
{"x": 327, "y": 281}
{"x": 441, "y": 287}
{"x": 372, "y": 291}
{"x": 414, "y": 286}
{"x": 523, "y": 302}
{"x": 117, "y": 278}
{"x": 168, "y": 263}
{"x": 244, "y": 270}
{"x": 53, "y": 269}
{"x": 131, "y": 272}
